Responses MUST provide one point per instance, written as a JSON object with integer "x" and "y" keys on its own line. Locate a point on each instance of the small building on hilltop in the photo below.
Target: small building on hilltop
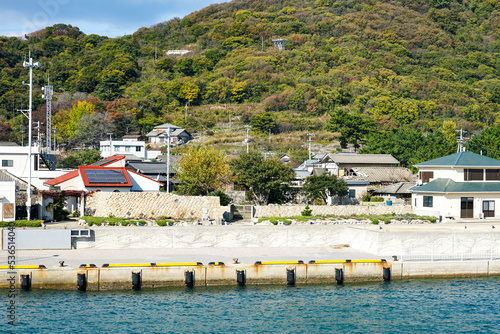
{"x": 460, "y": 185}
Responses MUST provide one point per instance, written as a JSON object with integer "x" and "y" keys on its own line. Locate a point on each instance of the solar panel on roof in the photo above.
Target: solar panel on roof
{"x": 105, "y": 176}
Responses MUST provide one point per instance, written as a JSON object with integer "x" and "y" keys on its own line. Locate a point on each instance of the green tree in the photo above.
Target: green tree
{"x": 487, "y": 142}
{"x": 81, "y": 158}
{"x": 320, "y": 187}
{"x": 268, "y": 180}
{"x": 353, "y": 128}
{"x": 262, "y": 122}
{"x": 203, "y": 170}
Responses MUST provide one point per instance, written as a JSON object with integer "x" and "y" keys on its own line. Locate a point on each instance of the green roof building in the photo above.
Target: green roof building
{"x": 463, "y": 185}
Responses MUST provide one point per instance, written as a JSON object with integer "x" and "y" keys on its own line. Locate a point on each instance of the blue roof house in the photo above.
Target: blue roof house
{"x": 458, "y": 186}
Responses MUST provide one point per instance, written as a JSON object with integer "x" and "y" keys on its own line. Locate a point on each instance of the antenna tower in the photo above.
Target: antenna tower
{"x": 48, "y": 97}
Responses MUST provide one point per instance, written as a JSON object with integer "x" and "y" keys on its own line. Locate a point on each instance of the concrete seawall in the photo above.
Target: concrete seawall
{"x": 121, "y": 278}
{"x": 383, "y": 242}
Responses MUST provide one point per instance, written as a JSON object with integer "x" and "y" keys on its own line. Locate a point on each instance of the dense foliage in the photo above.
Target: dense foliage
{"x": 320, "y": 187}
{"x": 399, "y": 64}
{"x": 267, "y": 179}
{"x": 203, "y": 170}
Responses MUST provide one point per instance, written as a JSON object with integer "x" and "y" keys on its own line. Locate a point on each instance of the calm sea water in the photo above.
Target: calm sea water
{"x": 414, "y": 306}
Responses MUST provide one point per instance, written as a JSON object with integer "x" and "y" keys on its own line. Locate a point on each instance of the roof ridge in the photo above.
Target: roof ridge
{"x": 458, "y": 157}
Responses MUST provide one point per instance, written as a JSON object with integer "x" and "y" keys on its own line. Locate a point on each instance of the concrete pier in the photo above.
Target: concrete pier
{"x": 120, "y": 278}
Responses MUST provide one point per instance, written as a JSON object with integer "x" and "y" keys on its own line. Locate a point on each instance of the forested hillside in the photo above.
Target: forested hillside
{"x": 385, "y": 71}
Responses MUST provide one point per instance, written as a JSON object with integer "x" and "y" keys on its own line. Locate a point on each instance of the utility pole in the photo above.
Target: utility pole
{"x": 168, "y": 160}
{"x": 30, "y": 65}
{"x": 248, "y": 127}
{"x": 310, "y": 141}
{"x": 48, "y": 97}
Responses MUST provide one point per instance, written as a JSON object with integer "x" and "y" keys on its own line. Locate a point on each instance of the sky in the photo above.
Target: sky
{"x": 110, "y": 18}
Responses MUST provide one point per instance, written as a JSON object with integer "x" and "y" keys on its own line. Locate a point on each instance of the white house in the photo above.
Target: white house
{"x": 177, "y": 135}
{"x": 14, "y": 159}
{"x": 460, "y": 185}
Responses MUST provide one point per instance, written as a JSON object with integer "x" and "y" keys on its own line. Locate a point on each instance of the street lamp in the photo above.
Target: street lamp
{"x": 30, "y": 65}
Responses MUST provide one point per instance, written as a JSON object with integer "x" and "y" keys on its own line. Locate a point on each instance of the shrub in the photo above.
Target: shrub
{"x": 306, "y": 212}
{"x": 376, "y": 199}
{"x": 275, "y": 220}
{"x": 366, "y": 197}
{"x": 22, "y": 223}
{"x": 164, "y": 222}
{"x": 223, "y": 197}
{"x": 374, "y": 221}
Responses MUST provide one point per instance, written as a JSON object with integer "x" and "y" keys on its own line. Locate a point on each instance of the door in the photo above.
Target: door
{"x": 467, "y": 207}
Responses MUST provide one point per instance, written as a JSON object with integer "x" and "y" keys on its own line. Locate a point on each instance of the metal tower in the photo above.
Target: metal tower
{"x": 48, "y": 97}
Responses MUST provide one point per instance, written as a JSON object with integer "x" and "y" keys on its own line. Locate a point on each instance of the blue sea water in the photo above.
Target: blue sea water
{"x": 408, "y": 306}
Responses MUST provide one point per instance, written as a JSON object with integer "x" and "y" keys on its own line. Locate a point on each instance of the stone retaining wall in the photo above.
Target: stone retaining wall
{"x": 152, "y": 205}
{"x": 326, "y": 210}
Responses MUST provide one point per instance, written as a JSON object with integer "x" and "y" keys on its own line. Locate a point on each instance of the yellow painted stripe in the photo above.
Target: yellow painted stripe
{"x": 180, "y": 264}
{"x": 21, "y": 267}
{"x": 149, "y": 264}
{"x": 279, "y": 262}
{"x": 329, "y": 261}
{"x": 366, "y": 261}
{"x": 130, "y": 265}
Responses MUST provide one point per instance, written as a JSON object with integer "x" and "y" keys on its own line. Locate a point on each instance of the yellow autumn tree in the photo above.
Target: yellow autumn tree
{"x": 203, "y": 170}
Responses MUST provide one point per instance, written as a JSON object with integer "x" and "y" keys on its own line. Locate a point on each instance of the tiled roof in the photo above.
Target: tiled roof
{"x": 150, "y": 167}
{"x": 462, "y": 159}
{"x": 108, "y": 160}
{"x": 396, "y": 188}
{"x": 450, "y": 186}
{"x": 166, "y": 126}
{"x": 353, "y": 158}
{"x": 382, "y": 174}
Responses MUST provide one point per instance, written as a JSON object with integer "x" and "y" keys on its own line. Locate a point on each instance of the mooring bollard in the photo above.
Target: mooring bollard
{"x": 82, "y": 282}
{"x": 290, "y": 276}
{"x": 26, "y": 282}
{"x": 189, "y": 278}
{"x": 387, "y": 274}
{"x": 136, "y": 281}
{"x": 339, "y": 275}
{"x": 240, "y": 277}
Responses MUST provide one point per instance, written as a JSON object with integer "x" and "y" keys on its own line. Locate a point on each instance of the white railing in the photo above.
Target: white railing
{"x": 458, "y": 252}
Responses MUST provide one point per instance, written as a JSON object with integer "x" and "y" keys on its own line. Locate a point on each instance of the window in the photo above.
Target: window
{"x": 473, "y": 174}
{"x": 428, "y": 201}
{"x": 493, "y": 175}
{"x": 352, "y": 193}
{"x": 127, "y": 148}
{"x": 137, "y": 148}
{"x": 426, "y": 176}
{"x": 489, "y": 208}
{"x": 7, "y": 163}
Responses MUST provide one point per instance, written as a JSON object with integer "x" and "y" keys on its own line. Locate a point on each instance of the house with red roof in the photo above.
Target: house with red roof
{"x": 108, "y": 175}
